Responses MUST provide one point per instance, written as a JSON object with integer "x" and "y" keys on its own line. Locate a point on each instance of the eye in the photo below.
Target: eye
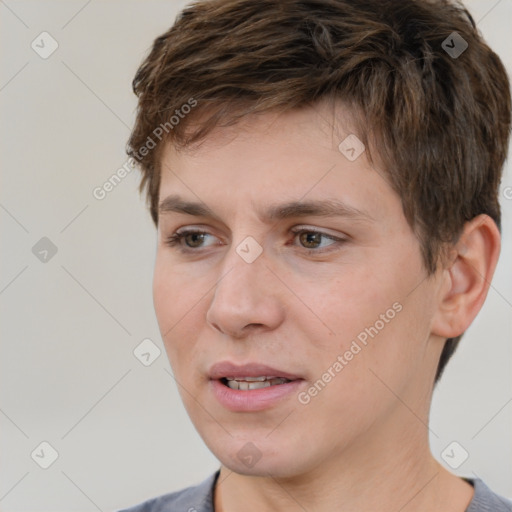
{"x": 192, "y": 238}
{"x": 311, "y": 239}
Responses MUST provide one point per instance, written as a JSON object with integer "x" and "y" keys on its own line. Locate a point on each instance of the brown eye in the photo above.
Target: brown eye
{"x": 316, "y": 242}
{"x": 194, "y": 239}
{"x": 188, "y": 240}
{"x": 310, "y": 239}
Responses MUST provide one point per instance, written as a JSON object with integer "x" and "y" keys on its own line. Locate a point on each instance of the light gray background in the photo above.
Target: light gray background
{"x": 70, "y": 325}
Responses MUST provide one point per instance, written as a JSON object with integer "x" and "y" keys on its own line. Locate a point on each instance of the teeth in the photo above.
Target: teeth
{"x": 249, "y": 383}
{"x": 251, "y": 379}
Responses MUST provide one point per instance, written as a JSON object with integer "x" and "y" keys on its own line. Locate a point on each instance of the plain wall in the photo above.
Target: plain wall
{"x": 70, "y": 324}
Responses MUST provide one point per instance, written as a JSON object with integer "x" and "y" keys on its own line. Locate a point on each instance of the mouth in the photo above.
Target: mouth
{"x": 251, "y": 383}
{"x": 255, "y": 375}
{"x": 252, "y": 387}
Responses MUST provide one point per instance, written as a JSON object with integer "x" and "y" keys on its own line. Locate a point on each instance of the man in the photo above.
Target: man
{"x": 323, "y": 176}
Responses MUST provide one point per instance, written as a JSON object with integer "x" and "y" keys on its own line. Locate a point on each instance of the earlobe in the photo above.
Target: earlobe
{"x": 467, "y": 277}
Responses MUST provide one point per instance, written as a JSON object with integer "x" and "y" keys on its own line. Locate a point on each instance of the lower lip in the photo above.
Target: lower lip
{"x": 253, "y": 399}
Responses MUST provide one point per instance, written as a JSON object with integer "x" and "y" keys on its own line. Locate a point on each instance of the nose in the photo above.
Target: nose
{"x": 246, "y": 298}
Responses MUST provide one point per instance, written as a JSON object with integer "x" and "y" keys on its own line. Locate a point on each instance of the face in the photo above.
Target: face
{"x": 295, "y": 264}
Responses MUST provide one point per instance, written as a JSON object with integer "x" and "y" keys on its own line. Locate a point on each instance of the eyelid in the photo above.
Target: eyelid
{"x": 177, "y": 236}
{"x": 337, "y": 240}
{"x": 322, "y": 231}
{"x": 175, "y": 239}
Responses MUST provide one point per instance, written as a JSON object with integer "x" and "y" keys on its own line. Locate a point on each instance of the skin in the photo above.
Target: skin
{"x": 298, "y": 311}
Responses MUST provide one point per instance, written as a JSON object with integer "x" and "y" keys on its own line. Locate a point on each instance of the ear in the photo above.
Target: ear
{"x": 467, "y": 277}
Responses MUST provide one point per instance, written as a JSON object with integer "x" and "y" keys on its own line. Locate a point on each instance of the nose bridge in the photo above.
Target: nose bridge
{"x": 245, "y": 294}
{"x": 241, "y": 272}
{"x": 243, "y": 263}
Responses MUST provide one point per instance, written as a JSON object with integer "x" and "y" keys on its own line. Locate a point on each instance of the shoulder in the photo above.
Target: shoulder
{"x": 198, "y": 498}
{"x": 485, "y": 500}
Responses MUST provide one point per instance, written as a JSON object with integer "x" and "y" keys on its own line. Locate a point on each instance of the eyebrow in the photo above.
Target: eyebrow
{"x": 313, "y": 208}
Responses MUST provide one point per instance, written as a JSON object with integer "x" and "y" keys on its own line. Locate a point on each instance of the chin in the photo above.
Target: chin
{"x": 243, "y": 457}
{"x": 276, "y": 469}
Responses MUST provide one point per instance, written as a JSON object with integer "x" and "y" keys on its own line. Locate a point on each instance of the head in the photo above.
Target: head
{"x": 243, "y": 105}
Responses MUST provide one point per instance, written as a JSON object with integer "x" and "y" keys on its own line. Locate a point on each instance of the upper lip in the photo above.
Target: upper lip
{"x": 225, "y": 369}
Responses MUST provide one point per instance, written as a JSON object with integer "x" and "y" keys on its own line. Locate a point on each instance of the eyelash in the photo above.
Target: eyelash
{"x": 176, "y": 238}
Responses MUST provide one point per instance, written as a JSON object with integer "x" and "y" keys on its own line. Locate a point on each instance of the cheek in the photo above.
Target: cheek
{"x": 180, "y": 307}
{"x": 360, "y": 389}
{"x": 393, "y": 343}
{"x": 371, "y": 313}
{"x": 175, "y": 293}
{"x": 346, "y": 304}
{"x": 164, "y": 296}
{"x": 173, "y": 301}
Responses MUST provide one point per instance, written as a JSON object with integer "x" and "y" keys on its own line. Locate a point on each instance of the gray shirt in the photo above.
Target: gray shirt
{"x": 199, "y": 498}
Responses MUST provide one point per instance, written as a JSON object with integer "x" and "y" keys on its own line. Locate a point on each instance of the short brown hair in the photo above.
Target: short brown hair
{"x": 439, "y": 120}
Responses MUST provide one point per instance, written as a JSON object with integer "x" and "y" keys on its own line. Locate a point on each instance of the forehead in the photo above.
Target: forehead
{"x": 272, "y": 157}
{"x": 331, "y": 117}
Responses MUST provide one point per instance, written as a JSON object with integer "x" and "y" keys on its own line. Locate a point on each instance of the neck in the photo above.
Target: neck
{"x": 372, "y": 474}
